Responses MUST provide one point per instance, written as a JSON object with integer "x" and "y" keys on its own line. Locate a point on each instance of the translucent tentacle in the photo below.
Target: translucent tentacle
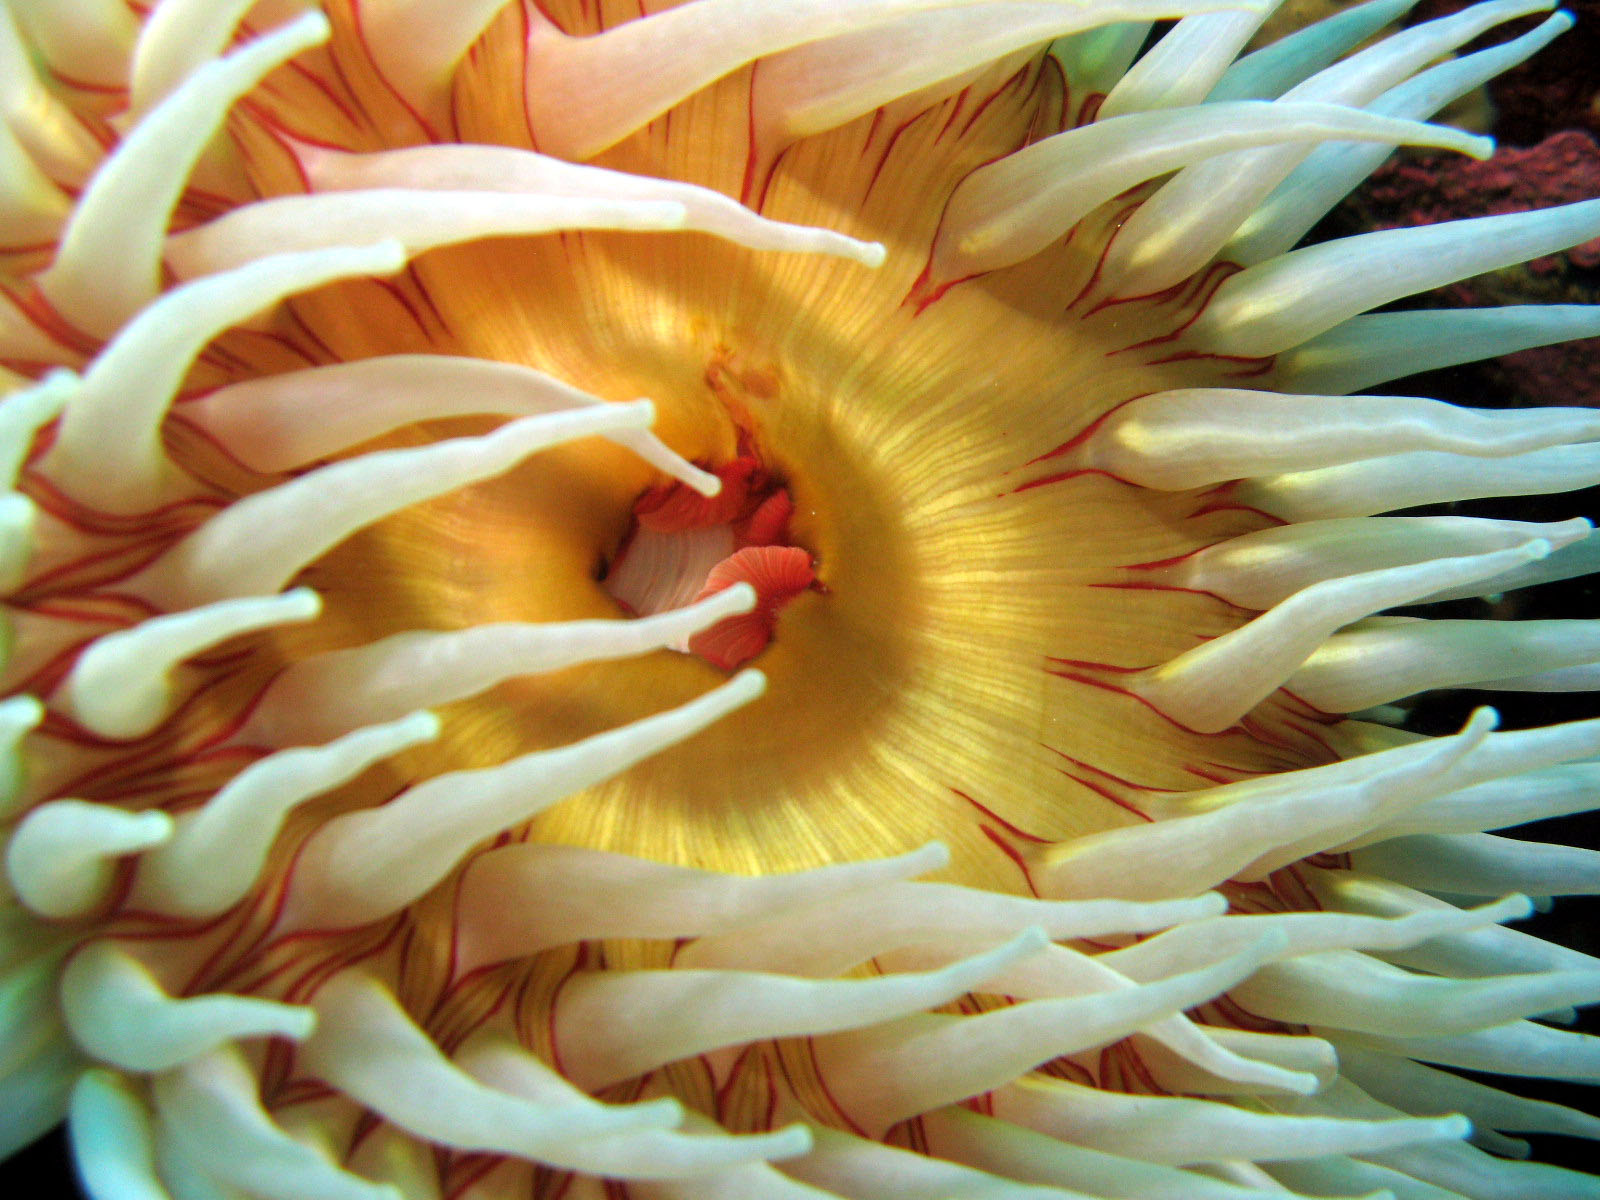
{"x": 106, "y": 270}
{"x": 119, "y": 1013}
{"x": 1288, "y": 300}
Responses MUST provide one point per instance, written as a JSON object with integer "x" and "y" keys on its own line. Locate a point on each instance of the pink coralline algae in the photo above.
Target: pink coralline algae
{"x": 1424, "y": 188}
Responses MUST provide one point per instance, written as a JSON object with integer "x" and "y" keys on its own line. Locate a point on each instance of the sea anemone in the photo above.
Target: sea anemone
{"x": 760, "y": 598}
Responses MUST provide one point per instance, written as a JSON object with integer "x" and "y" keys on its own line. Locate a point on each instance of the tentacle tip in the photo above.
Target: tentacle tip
{"x": 1484, "y": 719}
{"x": 1303, "y": 1083}
{"x": 314, "y": 26}
{"x": 22, "y": 712}
{"x": 741, "y": 598}
{"x": 1569, "y": 532}
{"x": 302, "y": 604}
{"x": 1515, "y": 907}
{"x": 932, "y": 856}
{"x": 747, "y": 685}
{"x": 792, "y": 1141}
{"x": 666, "y": 1112}
{"x": 871, "y": 254}
{"x": 420, "y": 726}
{"x": 153, "y": 826}
{"x": 50, "y": 395}
{"x": 387, "y": 257}
{"x": 56, "y": 378}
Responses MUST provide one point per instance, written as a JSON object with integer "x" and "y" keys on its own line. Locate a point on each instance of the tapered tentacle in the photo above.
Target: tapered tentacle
{"x": 1183, "y": 67}
{"x": 501, "y": 169}
{"x": 145, "y": 177}
{"x": 211, "y": 1106}
{"x": 1384, "y": 659}
{"x": 1276, "y": 67}
{"x": 1329, "y": 172}
{"x": 1394, "y": 1080}
{"x": 121, "y": 1015}
{"x": 825, "y": 939}
{"x": 108, "y": 450}
{"x": 1018, "y": 1153}
{"x": 639, "y": 1154}
{"x": 1481, "y": 864}
{"x": 1265, "y": 308}
{"x": 1259, "y": 570}
{"x": 855, "y": 1168}
{"x": 365, "y": 865}
{"x": 1192, "y": 217}
{"x": 585, "y": 894}
{"x": 367, "y": 1046}
{"x": 113, "y": 1144}
{"x": 884, "y": 1075}
{"x": 62, "y": 858}
{"x": 1380, "y": 346}
{"x": 1009, "y": 210}
{"x": 1490, "y": 950}
{"x": 1212, "y": 686}
{"x": 1199, "y": 436}
{"x": 420, "y": 219}
{"x": 916, "y": 59}
{"x": 216, "y": 851}
{"x": 288, "y": 420}
{"x": 178, "y": 38}
{"x": 1352, "y": 991}
{"x": 611, "y": 1026}
{"x": 1407, "y": 480}
{"x": 1257, "y": 825}
{"x": 688, "y": 49}
{"x": 323, "y": 695}
{"x": 121, "y": 686}
{"x": 1178, "y": 1131}
{"x": 256, "y": 545}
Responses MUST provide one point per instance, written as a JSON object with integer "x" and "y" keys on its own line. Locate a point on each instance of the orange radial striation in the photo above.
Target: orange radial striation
{"x": 761, "y": 599}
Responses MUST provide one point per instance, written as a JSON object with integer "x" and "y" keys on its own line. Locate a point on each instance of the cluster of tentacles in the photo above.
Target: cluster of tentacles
{"x": 380, "y": 818}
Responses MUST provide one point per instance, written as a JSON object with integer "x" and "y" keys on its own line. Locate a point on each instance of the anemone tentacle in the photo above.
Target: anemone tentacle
{"x": 416, "y": 412}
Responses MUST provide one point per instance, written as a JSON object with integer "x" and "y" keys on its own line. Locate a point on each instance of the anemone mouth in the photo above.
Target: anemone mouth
{"x": 760, "y": 603}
